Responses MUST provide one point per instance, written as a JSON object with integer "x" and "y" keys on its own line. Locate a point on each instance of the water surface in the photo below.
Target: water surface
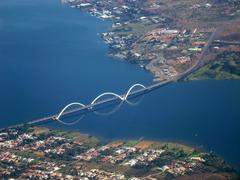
{"x": 52, "y": 55}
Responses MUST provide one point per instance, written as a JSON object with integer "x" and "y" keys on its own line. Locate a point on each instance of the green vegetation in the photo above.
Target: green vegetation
{"x": 225, "y": 66}
{"x": 26, "y": 154}
{"x": 84, "y": 138}
{"x": 173, "y": 146}
{"x": 36, "y": 153}
{"x": 131, "y": 143}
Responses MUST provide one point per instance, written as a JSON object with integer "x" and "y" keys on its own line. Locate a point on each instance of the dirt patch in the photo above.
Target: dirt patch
{"x": 231, "y": 32}
{"x": 144, "y": 144}
{"x": 40, "y": 130}
{"x": 115, "y": 144}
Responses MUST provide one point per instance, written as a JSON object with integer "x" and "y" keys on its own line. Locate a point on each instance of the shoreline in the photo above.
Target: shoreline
{"x": 189, "y": 144}
{"x": 45, "y": 148}
{"x": 154, "y": 40}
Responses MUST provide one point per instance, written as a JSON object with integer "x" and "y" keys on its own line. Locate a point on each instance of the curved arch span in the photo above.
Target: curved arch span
{"x": 66, "y": 107}
{"x": 122, "y": 98}
{"x": 131, "y": 88}
{"x": 105, "y": 94}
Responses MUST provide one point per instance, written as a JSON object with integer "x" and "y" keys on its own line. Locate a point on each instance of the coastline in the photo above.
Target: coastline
{"x": 91, "y": 157}
{"x": 133, "y": 138}
{"x": 156, "y": 41}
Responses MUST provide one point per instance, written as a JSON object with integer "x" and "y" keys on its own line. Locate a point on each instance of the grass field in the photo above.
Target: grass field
{"x": 225, "y": 66}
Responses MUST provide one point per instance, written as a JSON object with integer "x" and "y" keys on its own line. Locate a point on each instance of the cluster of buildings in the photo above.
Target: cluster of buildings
{"x": 124, "y": 155}
{"x": 179, "y": 168}
{"x": 25, "y": 154}
{"x": 45, "y": 170}
{"x": 101, "y": 9}
{"x": 160, "y": 50}
{"x": 228, "y": 8}
{"x": 220, "y": 46}
{"x": 160, "y": 42}
{"x": 147, "y": 38}
{"x": 145, "y": 158}
{"x": 15, "y": 161}
{"x": 101, "y": 174}
{"x": 89, "y": 155}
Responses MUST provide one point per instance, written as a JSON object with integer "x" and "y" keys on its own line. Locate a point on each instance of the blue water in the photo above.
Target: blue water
{"x": 52, "y": 55}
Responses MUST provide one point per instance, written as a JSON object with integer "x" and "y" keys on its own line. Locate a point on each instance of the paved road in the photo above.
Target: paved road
{"x": 227, "y": 42}
{"x": 199, "y": 63}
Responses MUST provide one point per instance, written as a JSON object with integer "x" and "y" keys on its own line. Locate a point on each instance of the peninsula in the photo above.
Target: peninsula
{"x": 172, "y": 38}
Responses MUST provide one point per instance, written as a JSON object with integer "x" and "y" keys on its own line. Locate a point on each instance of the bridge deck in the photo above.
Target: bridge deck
{"x": 198, "y": 64}
{"x": 87, "y": 107}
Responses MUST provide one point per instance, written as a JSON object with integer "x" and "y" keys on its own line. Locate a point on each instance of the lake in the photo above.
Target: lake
{"x": 51, "y": 55}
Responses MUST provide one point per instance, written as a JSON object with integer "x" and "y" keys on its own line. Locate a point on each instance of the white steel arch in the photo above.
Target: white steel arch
{"x": 105, "y": 94}
{"x": 131, "y": 88}
{"x": 66, "y": 107}
{"x": 122, "y": 98}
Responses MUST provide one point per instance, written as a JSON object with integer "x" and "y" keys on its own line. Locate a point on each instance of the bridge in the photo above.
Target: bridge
{"x": 130, "y": 93}
{"x": 96, "y": 102}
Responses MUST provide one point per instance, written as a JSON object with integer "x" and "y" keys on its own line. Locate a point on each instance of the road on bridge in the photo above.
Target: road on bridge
{"x": 147, "y": 89}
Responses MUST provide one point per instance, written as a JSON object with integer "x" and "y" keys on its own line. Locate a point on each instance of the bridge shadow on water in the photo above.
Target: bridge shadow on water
{"x": 98, "y": 106}
{"x": 106, "y": 109}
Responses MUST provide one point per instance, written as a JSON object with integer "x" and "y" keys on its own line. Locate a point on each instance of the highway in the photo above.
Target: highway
{"x": 227, "y": 42}
{"x": 199, "y": 63}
